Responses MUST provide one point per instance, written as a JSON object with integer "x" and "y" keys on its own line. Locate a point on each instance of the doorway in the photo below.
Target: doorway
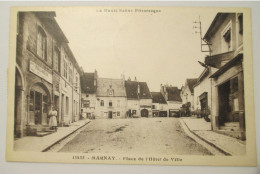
{"x": 224, "y": 104}
{"x": 56, "y": 104}
{"x": 144, "y": 113}
{"x": 38, "y": 106}
{"x": 110, "y": 114}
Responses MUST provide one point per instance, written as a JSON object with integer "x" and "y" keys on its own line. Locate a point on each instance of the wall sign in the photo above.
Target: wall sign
{"x": 39, "y": 71}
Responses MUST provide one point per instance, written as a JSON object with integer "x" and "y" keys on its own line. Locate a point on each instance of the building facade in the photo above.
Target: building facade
{"x": 139, "y": 99}
{"x": 225, "y": 36}
{"x": 111, "y": 98}
{"x": 187, "y": 93}
{"x": 173, "y": 99}
{"x": 39, "y": 81}
{"x": 89, "y": 97}
{"x": 159, "y": 107}
{"x": 203, "y": 98}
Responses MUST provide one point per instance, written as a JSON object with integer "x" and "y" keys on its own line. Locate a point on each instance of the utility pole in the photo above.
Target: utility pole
{"x": 198, "y": 30}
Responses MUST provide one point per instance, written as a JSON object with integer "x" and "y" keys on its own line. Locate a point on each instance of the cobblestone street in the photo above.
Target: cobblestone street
{"x": 135, "y": 136}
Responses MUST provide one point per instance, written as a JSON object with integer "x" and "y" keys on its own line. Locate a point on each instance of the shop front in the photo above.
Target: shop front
{"x": 39, "y": 103}
{"x": 229, "y": 107}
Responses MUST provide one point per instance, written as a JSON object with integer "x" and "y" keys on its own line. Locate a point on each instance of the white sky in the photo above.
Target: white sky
{"x": 157, "y": 48}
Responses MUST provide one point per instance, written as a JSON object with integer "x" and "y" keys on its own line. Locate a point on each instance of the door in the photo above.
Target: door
{"x": 224, "y": 104}
{"x": 110, "y": 114}
{"x": 62, "y": 108}
{"x": 56, "y": 104}
{"x": 38, "y": 108}
{"x": 144, "y": 113}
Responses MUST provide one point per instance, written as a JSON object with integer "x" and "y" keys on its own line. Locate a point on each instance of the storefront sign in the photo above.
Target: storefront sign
{"x": 145, "y": 106}
{"x": 39, "y": 71}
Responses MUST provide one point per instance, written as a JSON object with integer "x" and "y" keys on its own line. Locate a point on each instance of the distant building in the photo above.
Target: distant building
{"x": 173, "y": 98}
{"x": 47, "y": 75}
{"x": 89, "y": 97}
{"x": 111, "y": 98}
{"x": 160, "y": 106}
{"x": 139, "y": 99}
{"x": 203, "y": 91}
{"x": 225, "y": 36}
{"x": 187, "y": 92}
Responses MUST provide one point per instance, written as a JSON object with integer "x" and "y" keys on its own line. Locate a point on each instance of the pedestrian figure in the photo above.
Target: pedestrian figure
{"x": 53, "y": 118}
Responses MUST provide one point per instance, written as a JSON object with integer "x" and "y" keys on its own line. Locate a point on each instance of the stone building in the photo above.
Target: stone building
{"x": 139, "y": 99}
{"x": 89, "y": 97}
{"x": 225, "y": 38}
{"x": 187, "y": 92}
{"x": 111, "y": 98}
{"x": 159, "y": 107}
{"x": 173, "y": 98}
{"x": 203, "y": 91}
{"x": 42, "y": 78}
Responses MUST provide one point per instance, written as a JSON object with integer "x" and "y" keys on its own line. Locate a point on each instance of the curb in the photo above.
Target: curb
{"x": 56, "y": 142}
{"x": 210, "y": 143}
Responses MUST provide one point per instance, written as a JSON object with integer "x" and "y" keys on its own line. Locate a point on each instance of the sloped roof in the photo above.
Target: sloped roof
{"x": 191, "y": 83}
{"x": 132, "y": 90}
{"x": 117, "y": 85}
{"x": 87, "y": 83}
{"x": 173, "y": 94}
{"x": 158, "y": 98}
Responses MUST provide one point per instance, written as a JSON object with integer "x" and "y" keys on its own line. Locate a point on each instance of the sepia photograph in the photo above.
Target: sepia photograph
{"x": 131, "y": 85}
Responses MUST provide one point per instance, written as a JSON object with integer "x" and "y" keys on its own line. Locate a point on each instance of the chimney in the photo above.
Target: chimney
{"x": 135, "y": 79}
{"x": 138, "y": 89}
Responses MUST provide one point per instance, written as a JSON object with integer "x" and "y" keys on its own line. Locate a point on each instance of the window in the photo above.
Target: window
{"x": 102, "y": 103}
{"x": 70, "y": 75}
{"x": 110, "y": 103}
{"x": 234, "y": 85}
{"x": 153, "y": 106}
{"x": 41, "y": 44}
{"x": 65, "y": 70}
{"x": 240, "y": 29}
{"x": 67, "y": 105}
{"x": 110, "y": 92}
{"x": 76, "y": 84}
{"x": 86, "y": 103}
{"x": 240, "y": 23}
{"x": 56, "y": 60}
{"x": 118, "y": 114}
{"x": 31, "y": 102}
{"x": 227, "y": 38}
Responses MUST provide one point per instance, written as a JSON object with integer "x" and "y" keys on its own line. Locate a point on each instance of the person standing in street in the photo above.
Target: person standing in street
{"x": 53, "y": 118}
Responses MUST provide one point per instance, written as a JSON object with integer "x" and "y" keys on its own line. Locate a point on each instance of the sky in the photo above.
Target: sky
{"x": 158, "y": 48}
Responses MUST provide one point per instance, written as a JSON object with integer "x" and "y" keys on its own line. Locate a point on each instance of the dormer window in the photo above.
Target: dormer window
{"x": 110, "y": 91}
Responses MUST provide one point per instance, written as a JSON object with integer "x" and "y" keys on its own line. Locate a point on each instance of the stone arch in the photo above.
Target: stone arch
{"x": 144, "y": 113}
{"x": 39, "y": 103}
{"x": 19, "y": 74}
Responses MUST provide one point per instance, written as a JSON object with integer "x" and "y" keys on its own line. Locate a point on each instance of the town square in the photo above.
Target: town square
{"x": 127, "y": 88}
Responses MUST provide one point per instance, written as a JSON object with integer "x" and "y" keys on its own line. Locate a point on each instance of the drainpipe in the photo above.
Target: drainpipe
{"x": 211, "y": 104}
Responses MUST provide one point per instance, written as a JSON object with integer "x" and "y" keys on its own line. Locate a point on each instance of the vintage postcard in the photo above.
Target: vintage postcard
{"x": 131, "y": 85}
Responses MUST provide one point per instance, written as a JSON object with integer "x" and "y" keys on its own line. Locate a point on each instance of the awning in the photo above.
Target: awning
{"x": 227, "y": 66}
